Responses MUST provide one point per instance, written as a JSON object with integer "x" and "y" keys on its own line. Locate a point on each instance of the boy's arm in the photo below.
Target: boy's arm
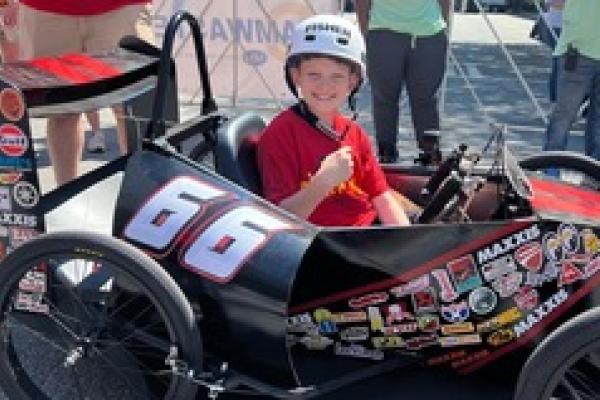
{"x": 362, "y": 15}
{"x": 303, "y": 202}
{"x": 409, "y": 207}
{"x": 389, "y": 210}
{"x": 335, "y": 169}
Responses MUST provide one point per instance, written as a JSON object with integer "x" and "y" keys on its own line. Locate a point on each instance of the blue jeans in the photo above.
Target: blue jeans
{"x": 553, "y": 79}
{"x": 572, "y": 89}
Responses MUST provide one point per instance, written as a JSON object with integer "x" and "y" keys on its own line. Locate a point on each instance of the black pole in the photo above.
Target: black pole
{"x": 157, "y": 125}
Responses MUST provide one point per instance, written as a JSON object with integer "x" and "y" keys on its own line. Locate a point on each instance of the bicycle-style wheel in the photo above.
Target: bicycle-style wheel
{"x": 566, "y": 364}
{"x": 86, "y": 316}
{"x": 565, "y": 166}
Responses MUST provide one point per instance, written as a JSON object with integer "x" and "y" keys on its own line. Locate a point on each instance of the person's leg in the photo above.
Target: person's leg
{"x": 424, "y": 73}
{"x": 128, "y": 20}
{"x": 97, "y": 142}
{"x": 572, "y": 88}
{"x": 93, "y": 118}
{"x": 65, "y": 144}
{"x": 121, "y": 127}
{"x": 553, "y": 80}
{"x": 386, "y": 52}
{"x": 592, "y": 128}
{"x": 48, "y": 34}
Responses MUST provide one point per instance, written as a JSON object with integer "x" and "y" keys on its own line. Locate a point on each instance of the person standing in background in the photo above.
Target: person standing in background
{"x": 49, "y": 28}
{"x": 406, "y": 46}
{"x": 97, "y": 141}
{"x": 578, "y": 49}
{"x": 552, "y": 22}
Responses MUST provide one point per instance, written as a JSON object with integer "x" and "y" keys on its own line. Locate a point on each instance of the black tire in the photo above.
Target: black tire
{"x": 108, "y": 335}
{"x": 563, "y": 160}
{"x": 566, "y": 360}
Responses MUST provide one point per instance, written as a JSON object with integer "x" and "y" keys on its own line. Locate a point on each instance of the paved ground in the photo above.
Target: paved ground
{"x": 505, "y": 101}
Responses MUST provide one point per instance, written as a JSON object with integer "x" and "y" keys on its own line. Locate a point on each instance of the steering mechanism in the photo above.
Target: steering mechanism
{"x": 452, "y": 163}
{"x": 450, "y": 189}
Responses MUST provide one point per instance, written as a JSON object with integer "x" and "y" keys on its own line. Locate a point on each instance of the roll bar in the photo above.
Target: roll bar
{"x": 156, "y": 127}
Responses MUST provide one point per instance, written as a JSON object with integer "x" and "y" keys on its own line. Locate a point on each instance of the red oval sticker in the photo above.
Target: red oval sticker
{"x": 13, "y": 141}
{"x": 12, "y": 105}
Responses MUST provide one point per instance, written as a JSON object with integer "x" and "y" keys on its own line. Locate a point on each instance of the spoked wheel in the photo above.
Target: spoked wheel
{"x": 566, "y": 365}
{"x": 85, "y": 316}
{"x": 567, "y": 166}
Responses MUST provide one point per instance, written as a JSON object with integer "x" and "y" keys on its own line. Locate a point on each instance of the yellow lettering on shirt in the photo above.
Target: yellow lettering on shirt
{"x": 349, "y": 187}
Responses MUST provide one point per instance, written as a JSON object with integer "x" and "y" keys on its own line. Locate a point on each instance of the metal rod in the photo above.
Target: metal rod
{"x": 156, "y": 127}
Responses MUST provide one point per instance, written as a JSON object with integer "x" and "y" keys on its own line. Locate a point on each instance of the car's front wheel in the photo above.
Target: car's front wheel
{"x": 566, "y": 365}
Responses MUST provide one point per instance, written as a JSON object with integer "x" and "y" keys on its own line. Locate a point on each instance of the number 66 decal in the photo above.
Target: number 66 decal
{"x": 219, "y": 248}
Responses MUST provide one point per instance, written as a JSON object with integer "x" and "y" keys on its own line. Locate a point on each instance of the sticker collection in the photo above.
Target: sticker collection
{"x": 462, "y": 312}
{"x": 19, "y": 194}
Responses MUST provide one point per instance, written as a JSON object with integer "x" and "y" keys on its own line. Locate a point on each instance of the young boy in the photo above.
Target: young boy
{"x": 315, "y": 162}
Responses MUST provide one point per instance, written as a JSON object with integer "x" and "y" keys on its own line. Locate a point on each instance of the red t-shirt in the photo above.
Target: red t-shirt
{"x": 80, "y": 7}
{"x": 290, "y": 151}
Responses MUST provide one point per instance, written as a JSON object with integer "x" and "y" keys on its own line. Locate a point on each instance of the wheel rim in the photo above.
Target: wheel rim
{"x": 101, "y": 333}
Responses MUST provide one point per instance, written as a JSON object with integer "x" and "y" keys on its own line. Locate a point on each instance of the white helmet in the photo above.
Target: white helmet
{"x": 329, "y": 35}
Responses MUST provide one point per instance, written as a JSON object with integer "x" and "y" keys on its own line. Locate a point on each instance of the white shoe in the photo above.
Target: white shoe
{"x": 97, "y": 143}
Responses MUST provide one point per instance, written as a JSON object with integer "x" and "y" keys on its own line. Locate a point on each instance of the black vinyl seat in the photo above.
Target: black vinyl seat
{"x": 235, "y": 151}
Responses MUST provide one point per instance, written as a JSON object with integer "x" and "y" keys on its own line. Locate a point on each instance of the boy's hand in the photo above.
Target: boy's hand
{"x": 336, "y": 168}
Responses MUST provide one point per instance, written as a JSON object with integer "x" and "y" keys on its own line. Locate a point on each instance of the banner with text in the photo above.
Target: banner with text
{"x": 245, "y": 43}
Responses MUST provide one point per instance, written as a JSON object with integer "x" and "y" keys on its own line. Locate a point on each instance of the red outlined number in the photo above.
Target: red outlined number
{"x": 168, "y": 211}
{"x": 220, "y": 247}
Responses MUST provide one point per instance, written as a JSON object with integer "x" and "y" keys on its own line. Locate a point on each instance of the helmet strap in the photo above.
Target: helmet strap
{"x": 289, "y": 81}
{"x": 352, "y": 104}
{"x": 302, "y": 110}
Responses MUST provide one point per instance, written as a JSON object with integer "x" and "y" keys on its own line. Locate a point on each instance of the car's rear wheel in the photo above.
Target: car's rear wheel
{"x": 565, "y": 165}
{"x": 89, "y": 316}
{"x": 566, "y": 365}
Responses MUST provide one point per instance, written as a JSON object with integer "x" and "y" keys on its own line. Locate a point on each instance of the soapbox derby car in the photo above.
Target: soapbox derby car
{"x": 205, "y": 288}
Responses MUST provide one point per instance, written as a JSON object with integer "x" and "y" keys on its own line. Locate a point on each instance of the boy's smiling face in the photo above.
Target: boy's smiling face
{"x": 324, "y": 84}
